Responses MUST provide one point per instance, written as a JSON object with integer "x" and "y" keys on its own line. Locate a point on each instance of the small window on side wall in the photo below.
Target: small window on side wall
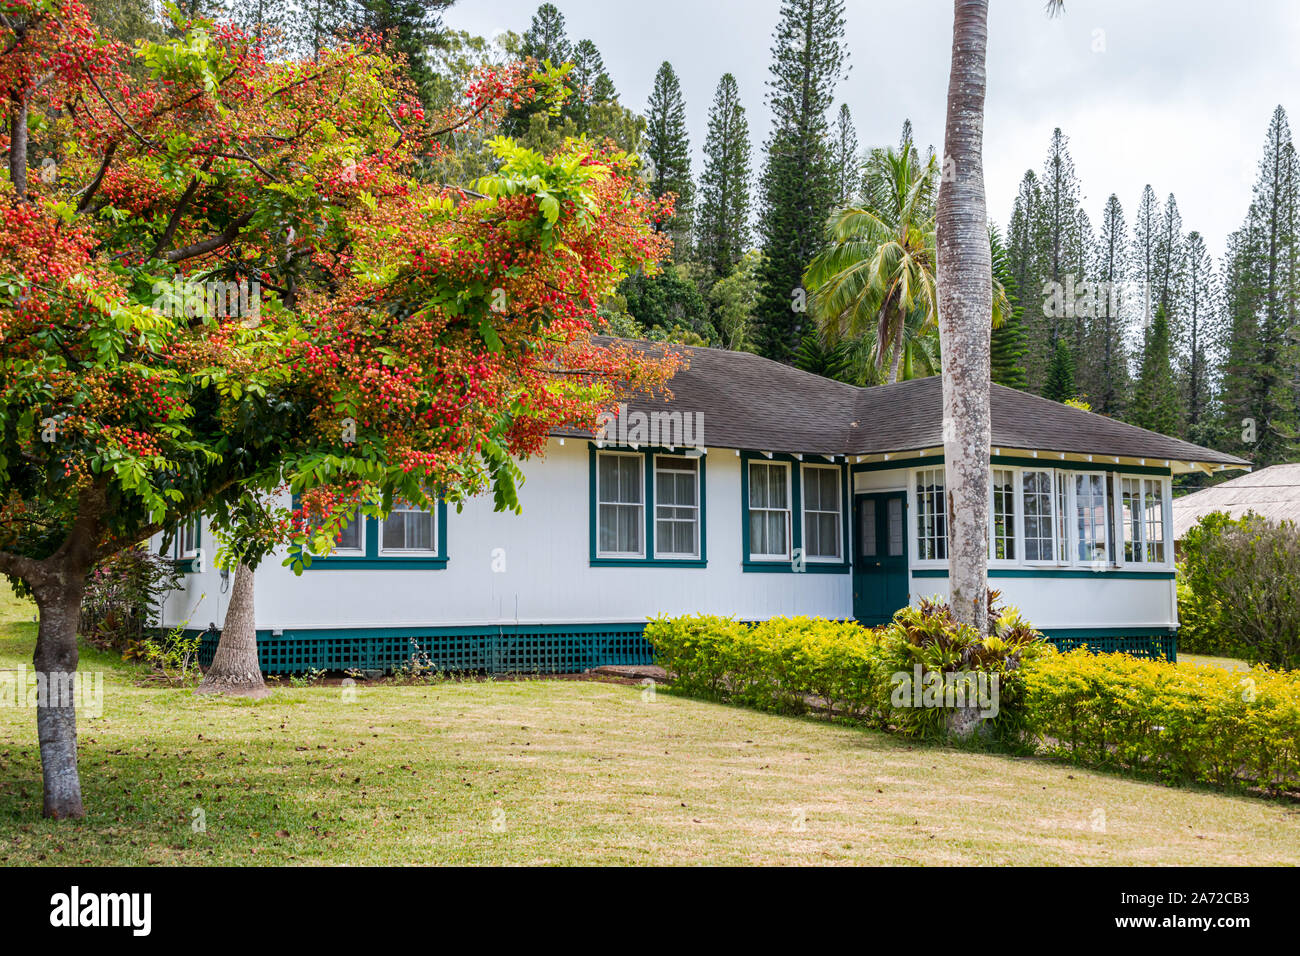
{"x": 408, "y": 529}
{"x": 620, "y": 505}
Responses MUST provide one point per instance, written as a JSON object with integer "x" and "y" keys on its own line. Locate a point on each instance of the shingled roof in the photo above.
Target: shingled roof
{"x": 1272, "y": 493}
{"x": 754, "y": 403}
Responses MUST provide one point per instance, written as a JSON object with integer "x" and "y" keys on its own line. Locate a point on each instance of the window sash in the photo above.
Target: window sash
{"x": 1091, "y": 531}
{"x": 1003, "y": 515}
{"x": 677, "y": 506}
{"x": 620, "y": 505}
{"x": 930, "y": 489}
{"x": 189, "y": 538}
{"x": 823, "y": 514}
{"x": 1142, "y": 519}
{"x": 409, "y": 529}
{"x": 769, "y": 511}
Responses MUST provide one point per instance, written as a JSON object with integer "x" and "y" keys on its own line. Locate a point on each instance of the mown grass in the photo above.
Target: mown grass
{"x": 554, "y": 771}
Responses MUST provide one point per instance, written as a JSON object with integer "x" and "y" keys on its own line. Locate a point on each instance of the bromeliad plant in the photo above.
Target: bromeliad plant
{"x": 929, "y": 636}
{"x": 388, "y": 335}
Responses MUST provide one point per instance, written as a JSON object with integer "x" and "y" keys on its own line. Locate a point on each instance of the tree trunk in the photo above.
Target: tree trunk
{"x": 965, "y": 289}
{"x": 898, "y": 353}
{"x": 55, "y": 661}
{"x": 235, "y": 669}
{"x": 18, "y": 144}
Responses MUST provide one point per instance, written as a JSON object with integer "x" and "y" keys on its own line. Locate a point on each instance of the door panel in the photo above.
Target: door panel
{"x": 880, "y": 556}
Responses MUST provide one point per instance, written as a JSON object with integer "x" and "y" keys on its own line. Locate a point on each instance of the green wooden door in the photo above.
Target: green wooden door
{"x": 880, "y": 556}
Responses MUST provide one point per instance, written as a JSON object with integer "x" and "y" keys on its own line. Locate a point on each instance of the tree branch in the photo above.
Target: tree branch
{"x": 212, "y": 243}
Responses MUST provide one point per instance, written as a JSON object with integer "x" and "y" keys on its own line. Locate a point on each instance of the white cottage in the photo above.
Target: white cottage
{"x": 757, "y": 490}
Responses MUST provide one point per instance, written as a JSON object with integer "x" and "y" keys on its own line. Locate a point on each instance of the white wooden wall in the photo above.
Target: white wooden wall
{"x": 547, "y": 579}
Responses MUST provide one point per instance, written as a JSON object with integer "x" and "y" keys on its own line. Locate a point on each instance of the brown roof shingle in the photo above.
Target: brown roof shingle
{"x": 754, "y": 403}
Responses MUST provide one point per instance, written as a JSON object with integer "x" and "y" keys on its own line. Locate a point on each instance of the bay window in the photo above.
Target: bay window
{"x": 1142, "y": 510}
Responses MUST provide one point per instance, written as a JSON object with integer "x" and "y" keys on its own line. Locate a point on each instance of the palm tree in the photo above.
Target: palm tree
{"x": 879, "y": 266}
{"x": 875, "y": 282}
{"x": 965, "y": 287}
{"x": 965, "y": 293}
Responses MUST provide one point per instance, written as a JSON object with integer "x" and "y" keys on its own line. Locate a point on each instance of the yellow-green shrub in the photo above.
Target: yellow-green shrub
{"x": 1185, "y": 723}
{"x": 772, "y": 665}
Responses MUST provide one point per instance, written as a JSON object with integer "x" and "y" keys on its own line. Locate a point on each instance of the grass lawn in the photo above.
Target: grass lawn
{"x": 1228, "y": 663}
{"x": 556, "y": 771}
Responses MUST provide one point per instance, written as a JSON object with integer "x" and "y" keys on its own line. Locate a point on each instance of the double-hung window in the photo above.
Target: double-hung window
{"x": 620, "y": 505}
{"x": 351, "y": 540}
{"x": 1002, "y": 527}
{"x": 408, "y": 528}
{"x": 1040, "y": 515}
{"x": 769, "y": 511}
{"x": 931, "y": 515}
{"x": 1091, "y": 524}
{"x": 822, "y": 518}
{"x": 677, "y": 506}
{"x": 189, "y": 538}
{"x": 1142, "y": 510}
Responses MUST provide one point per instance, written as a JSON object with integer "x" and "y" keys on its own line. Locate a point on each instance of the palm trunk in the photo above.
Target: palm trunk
{"x": 965, "y": 291}
{"x": 55, "y": 661}
{"x": 898, "y": 355}
{"x": 235, "y": 669}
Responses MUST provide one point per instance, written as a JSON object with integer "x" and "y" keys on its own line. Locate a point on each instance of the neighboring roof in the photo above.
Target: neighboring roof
{"x": 1272, "y": 493}
{"x": 755, "y": 403}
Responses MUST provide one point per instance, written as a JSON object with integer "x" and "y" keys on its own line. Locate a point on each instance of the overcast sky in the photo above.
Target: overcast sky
{"x": 1175, "y": 93}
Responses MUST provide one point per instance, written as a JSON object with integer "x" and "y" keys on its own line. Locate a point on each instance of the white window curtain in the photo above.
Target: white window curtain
{"x": 620, "y": 504}
{"x": 769, "y": 510}
{"x": 821, "y": 513}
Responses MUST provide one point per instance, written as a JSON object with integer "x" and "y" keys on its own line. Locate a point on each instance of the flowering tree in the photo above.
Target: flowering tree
{"x": 220, "y": 273}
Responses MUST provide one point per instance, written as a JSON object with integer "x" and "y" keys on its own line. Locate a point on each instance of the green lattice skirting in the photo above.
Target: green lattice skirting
{"x": 535, "y": 649}
{"x": 516, "y": 649}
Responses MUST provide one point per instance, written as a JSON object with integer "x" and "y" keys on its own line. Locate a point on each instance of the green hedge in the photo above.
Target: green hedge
{"x": 1183, "y": 722}
{"x": 1115, "y": 711}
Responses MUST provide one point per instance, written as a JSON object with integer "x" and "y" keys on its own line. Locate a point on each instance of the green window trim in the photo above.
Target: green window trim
{"x": 1019, "y": 461}
{"x": 373, "y": 559}
{"x": 787, "y": 566}
{"x": 188, "y": 563}
{"x": 1046, "y": 572}
{"x": 647, "y": 455}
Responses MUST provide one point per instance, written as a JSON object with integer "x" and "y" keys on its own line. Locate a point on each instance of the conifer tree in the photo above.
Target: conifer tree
{"x": 1146, "y": 237}
{"x": 722, "y": 227}
{"x": 1169, "y": 254}
{"x": 1155, "y": 396}
{"x": 668, "y": 150}
{"x": 847, "y": 162}
{"x": 1107, "y": 384}
{"x": 1059, "y": 386}
{"x": 1201, "y": 325}
{"x": 798, "y": 182}
{"x": 1009, "y": 342}
{"x": 1263, "y": 302}
{"x": 1024, "y": 264}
